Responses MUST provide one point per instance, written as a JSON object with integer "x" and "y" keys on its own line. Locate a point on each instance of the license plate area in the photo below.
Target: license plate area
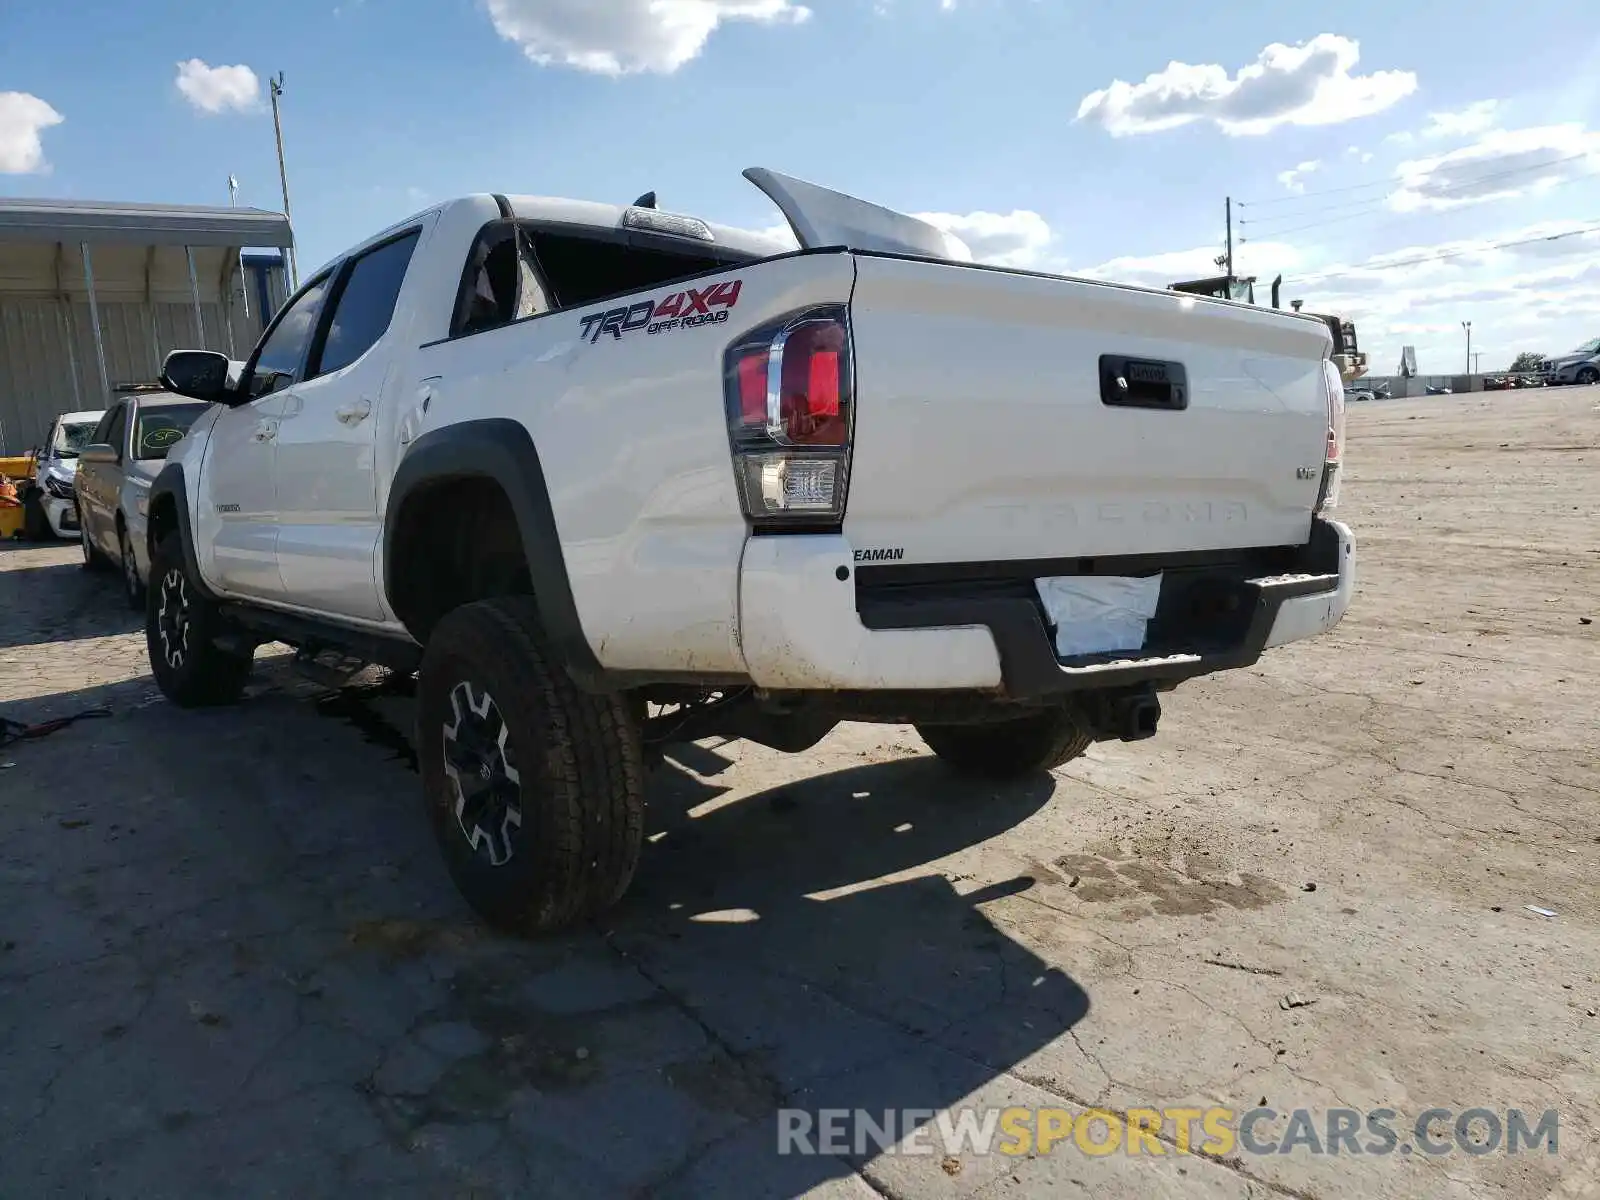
{"x": 1098, "y": 614}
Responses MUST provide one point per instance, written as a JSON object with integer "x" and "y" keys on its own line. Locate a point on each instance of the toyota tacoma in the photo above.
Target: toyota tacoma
{"x": 606, "y": 477}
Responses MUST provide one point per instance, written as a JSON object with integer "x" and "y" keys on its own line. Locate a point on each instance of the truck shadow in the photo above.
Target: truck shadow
{"x": 273, "y": 880}
{"x": 46, "y": 600}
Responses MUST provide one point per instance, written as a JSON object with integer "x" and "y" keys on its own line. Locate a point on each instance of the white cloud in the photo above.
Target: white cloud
{"x": 1264, "y": 259}
{"x": 1016, "y": 239}
{"x": 218, "y": 89}
{"x": 1535, "y": 294}
{"x": 1500, "y": 164}
{"x": 1520, "y": 289}
{"x": 1306, "y": 84}
{"x": 778, "y": 234}
{"x": 1294, "y": 177}
{"x": 1474, "y": 118}
{"x": 621, "y": 37}
{"x": 1357, "y": 153}
{"x": 23, "y": 117}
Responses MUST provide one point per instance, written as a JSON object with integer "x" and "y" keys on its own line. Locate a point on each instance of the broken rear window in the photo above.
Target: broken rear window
{"x": 585, "y": 270}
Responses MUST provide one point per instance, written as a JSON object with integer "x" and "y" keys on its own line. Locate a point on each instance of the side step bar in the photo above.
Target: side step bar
{"x": 316, "y": 639}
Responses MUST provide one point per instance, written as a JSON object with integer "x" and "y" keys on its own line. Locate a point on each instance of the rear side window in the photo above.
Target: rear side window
{"x": 365, "y": 304}
{"x": 500, "y": 283}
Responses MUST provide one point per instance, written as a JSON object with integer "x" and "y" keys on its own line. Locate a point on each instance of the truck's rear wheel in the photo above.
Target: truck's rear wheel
{"x": 535, "y": 788}
{"x": 180, "y": 626}
{"x": 1010, "y": 749}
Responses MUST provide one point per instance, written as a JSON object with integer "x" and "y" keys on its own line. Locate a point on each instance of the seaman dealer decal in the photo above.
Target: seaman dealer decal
{"x": 688, "y": 309}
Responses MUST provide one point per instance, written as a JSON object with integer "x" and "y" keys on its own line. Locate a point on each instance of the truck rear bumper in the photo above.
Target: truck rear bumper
{"x": 799, "y": 628}
{"x": 810, "y": 619}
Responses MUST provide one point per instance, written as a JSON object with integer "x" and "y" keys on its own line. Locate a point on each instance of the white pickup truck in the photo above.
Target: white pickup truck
{"x": 606, "y": 477}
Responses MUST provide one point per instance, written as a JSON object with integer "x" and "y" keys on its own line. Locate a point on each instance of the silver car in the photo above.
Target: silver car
{"x": 115, "y": 472}
{"x": 1580, "y": 366}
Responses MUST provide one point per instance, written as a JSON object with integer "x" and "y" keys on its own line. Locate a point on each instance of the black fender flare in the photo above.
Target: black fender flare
{"x": 500, "y": 450}
{"x": 171, "y": 483}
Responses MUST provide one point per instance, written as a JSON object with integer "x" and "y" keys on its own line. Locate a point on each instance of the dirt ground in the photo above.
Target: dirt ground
{"x": 230, "y": 959}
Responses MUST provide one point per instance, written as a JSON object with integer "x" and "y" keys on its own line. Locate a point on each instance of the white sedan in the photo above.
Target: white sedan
{"x": 52, "y": 508}
{"x": 114, "y": 476}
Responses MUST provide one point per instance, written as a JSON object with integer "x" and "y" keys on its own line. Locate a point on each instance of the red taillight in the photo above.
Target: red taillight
{"x": 753, "y": 388}
{"x": 809, "y": 357}
{"x": 822, "y": 389}
{"x": 789, "y": 408}
{"x": 810, "y": 409}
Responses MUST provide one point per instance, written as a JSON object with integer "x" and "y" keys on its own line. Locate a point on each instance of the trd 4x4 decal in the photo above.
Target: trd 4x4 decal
{"x": 688, "y": 309}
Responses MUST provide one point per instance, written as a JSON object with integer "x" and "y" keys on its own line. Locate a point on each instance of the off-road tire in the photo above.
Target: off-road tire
{"x": 577, "y": 758}
{"x": 189, "y": 667}
{"x": 133, "y": 591}
{"x": 1011, "y": 749}
{"x": 1588, "y": 376}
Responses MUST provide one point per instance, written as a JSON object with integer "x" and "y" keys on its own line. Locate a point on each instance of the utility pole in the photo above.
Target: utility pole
{"x": 1467, "y": 325}
{"x": 1477, "y": 365}
{"x": 275, "y": 86}
{"x": 1228, "y": 211}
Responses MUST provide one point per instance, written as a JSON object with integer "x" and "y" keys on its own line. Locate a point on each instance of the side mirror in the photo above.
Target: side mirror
{"x": 197, "y": 374}
{"x": 100, "y": 452}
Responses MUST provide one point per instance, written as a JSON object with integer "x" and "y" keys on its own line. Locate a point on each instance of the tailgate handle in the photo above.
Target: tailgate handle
{"x": 1143, "y": 383}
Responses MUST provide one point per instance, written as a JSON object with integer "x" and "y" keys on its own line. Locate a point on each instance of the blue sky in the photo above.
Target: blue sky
{"x": 1047, "y": 133}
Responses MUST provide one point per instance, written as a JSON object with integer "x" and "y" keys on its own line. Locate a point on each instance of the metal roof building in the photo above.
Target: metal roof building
{"x": 94, "y": 294}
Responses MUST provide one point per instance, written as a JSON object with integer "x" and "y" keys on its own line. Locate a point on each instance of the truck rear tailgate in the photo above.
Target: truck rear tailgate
{"x": 984, "y": 433}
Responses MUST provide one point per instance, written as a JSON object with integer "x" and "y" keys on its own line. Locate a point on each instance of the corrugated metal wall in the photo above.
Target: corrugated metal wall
{"x": 47, "y": 353}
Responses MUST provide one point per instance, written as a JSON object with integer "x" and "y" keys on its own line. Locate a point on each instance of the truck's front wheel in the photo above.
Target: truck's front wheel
{"x": 1012, "y": 748}
{"x": 535, "y": 788}
{"x": 180, "y": 627}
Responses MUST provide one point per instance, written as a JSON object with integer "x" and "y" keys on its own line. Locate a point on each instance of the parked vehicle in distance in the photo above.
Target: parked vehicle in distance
{"x": 608, "y": 478}
{"x": 1580, "y": 366}
{"x": 1355, "y": 394}
{"x": 50, "y": 505}
{"x": 115, "y": 470}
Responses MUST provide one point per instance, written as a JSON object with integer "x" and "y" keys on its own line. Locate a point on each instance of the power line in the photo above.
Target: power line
{"x": 1306, "y": 212}
{"x": 1391, "y": 224}
{"x": 1455, "y": 189}
{"x": 1354, "y": 187}
{"x": 1444, "y": 254}
{"x": 1320, "y": 224}
{"x": 1392, "y": 181}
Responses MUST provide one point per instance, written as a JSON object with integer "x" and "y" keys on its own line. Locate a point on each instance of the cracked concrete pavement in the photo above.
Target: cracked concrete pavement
{"x": 231, "y": 959}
